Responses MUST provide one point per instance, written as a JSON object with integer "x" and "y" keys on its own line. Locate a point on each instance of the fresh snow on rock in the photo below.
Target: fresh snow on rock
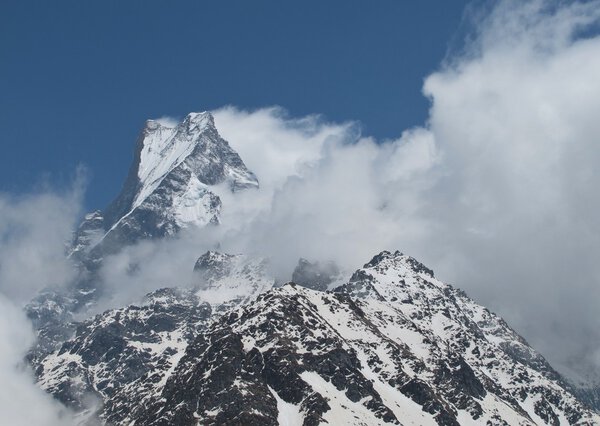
{"x": 225, "y": 280}
{"x": 171, "y": 185}
{"x": 124, "y": 356}
{"x": 393, "y": 346}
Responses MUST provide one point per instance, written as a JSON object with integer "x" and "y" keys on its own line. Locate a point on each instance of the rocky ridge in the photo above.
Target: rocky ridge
{"x": 118, "y": 359}
{"x": 173, "y": 183}
{"x": 392, "y": 346}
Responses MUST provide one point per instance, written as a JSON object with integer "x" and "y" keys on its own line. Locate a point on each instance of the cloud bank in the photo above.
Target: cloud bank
{"x": 33, "y": 231}
{"x": 22, "y": 402}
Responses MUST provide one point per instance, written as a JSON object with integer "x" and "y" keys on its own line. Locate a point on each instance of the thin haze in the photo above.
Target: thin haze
{"x": 33, "y": 231}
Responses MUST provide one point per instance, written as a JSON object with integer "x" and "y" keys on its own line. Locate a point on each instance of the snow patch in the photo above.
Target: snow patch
{"x": 288, "y": 414}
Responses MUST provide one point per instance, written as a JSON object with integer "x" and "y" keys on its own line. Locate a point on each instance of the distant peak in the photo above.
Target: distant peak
{"x": 387, "y": 259}
{"x": 175, "y": 164}
{"x": 152, "y": 125}
{"x": 199, "y": 116}
{"x": 212, "y": 259}
{"x": 199, "y": 120}
{"x": 384, "y": 255}
{"x": 191, "y": 121}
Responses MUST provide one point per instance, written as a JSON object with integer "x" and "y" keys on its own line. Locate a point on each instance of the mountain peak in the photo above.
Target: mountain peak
{"x": 193, "y": 122}
{"x": 199, "y": 120}
{"x": 172, "y": 182}
{"x": 152, "y": 125}
{"x": 387, "y": 260}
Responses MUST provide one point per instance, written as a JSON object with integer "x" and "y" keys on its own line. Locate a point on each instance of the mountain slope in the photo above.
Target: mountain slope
{"x": 122, "y": 357}
{"x": 392, "y": 346}
{"x": 173, "y": 183}
{"x": 119, "y": 357}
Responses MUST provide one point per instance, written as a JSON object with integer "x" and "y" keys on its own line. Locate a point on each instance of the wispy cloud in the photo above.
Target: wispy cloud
{"x": 167, "y": 121}
{"x": 22, "y": 402}
{"x": 34, "y": 229}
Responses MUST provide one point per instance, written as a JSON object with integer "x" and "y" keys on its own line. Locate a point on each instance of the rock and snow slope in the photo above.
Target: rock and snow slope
{"x": 119, "y": 359}
{"x": 172, "y": 184}
{"x": 392, "y": 346}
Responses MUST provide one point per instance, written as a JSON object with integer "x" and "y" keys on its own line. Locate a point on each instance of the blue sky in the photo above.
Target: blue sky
{"x": 78, "y": 79}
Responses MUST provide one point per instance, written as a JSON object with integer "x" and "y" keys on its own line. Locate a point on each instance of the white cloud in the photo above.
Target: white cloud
{"x": 167, "y": 121}
{"x": 33, "y": 232}
{"x": 497, "y": 192}
{"x": 515, "y": 122}
{"x": 22, "y": 402}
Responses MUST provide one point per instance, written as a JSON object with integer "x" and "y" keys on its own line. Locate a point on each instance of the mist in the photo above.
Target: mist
{"x": 34, "y": 229}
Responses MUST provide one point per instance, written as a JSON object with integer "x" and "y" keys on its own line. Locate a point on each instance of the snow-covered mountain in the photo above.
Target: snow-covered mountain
{"x": 394, "y": 345}
{"x": 173, "y": 183}
{"x": 225, "y": 280}
{"x": 118, "y": 358}
{"x": 389, "y": 345}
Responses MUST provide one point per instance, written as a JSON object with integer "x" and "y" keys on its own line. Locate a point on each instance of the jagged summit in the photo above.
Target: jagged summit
{"x": 387, "y": 259}
{"x": 227, "y": 280}
{"x": 393, "y": 346}
{"x": 173, "y": 183}
{"x": 200, "y": 118}
{"x": 317, "y": 275}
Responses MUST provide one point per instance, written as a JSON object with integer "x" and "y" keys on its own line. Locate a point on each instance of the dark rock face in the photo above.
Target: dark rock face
{"x": 213, "y": 266}
{"x": 120, "y": 357}
{"x": 245, "y": 389}
{"x": 51, "y": 314}
{"x": 392, "y": 346}
{"x": 89, "y": 233}
{"x": 315, "y": 275}
{"x": 168, "y": 188}
{"x": 395, "y": 345}
{"x": 589, "y": 395}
